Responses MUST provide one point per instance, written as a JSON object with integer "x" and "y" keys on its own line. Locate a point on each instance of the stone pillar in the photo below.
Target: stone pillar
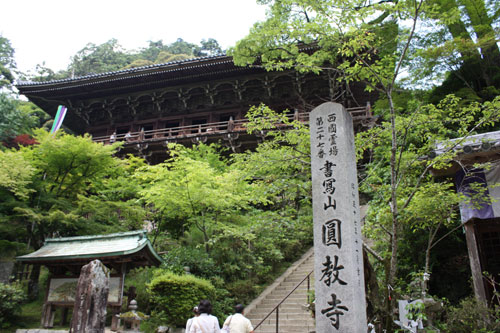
{"x": 338, "y": 257}
{"x": 89, "y": 312}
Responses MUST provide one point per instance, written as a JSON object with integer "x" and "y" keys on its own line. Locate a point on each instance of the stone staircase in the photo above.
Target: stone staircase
{"x": 293, "y": 317}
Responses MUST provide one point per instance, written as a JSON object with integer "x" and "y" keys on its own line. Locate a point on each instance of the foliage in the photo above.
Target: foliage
{"x": 64, "y": 186}
{"x": 198, "y": 261}
{"x": 7, "y": 63}
{"x": 472, "y": 316}
{"x": 14, "y": 119}
{"x": 93, "y": 58}
{"x": 9, "y": 250}
{"x": 11, "y": 298}
{"x": 460, "y": 43}
{"x": 139, "y": 278}
{"x": 174, "y": 296}
{"x": 197, "y": 188}
{"x": 281, "y": 163}
{"x": 110, "y": 56}
{"x": 16, "y": 174}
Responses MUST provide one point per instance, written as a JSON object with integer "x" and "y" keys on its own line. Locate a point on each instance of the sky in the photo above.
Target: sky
{"x": 52, "y": 31}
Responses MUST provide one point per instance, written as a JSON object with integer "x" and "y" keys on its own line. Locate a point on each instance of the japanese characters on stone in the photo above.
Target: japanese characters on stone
{"x": 336, "y": 211}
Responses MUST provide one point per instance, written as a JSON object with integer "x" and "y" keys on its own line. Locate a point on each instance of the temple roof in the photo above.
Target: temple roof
{"x": 175, "y": 72}
{"x": 478, "y": 148}
{"x": 74, "y": 250}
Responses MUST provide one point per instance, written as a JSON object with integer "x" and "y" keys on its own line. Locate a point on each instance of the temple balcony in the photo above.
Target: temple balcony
{"x": 233, "y": 133}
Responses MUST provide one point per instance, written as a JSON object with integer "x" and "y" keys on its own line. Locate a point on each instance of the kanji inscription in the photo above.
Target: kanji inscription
{"x": 339, "y": 285}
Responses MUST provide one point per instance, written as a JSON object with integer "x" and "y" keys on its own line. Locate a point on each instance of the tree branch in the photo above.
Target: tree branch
{"x": 372, "y": 252}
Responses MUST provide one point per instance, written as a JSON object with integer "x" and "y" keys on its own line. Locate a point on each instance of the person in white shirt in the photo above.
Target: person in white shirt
{"x": 237, "y": 322}
{"x": 190, "y": 320}
{"x": 205, "y": 322}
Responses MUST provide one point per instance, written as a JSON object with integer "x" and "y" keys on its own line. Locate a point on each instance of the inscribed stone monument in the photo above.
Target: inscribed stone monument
{"x": 338, "y": 263}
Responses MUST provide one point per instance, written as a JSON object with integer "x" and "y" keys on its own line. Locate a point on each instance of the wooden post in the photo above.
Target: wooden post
{"x": 47, "y": 315}
{"x": 475, "y": 262}
{"x": 115, "y": 321}
{"x": 64, "y": 316}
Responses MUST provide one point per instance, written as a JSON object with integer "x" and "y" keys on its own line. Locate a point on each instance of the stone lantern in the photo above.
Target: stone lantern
{"x": 132, "y": 318}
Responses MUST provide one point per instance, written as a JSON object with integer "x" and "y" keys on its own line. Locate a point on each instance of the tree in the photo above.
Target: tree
{"x": 196, "y": 188}
{"x": 461, "y": 43}
{"x": 15, "y": 119}
{"x": 7, "y": 63}
{"x": 281, "y": 163}
{"x": 53, "y": 190}
{"x": 180, "y": 46}
{"x": 210, "y": 47}
{"x": 93, "y": 58}
{"x": 371, "y": 43}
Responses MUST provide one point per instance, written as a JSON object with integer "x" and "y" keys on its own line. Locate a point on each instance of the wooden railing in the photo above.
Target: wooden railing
{"x": 217, "y": 128}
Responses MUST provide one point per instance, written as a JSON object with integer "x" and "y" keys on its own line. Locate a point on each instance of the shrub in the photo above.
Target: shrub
{"x": 11, "y": 298}
{"x": 198, "y": 261}
{"x": 472, "y": 316}
{"x": 172, "y": 296}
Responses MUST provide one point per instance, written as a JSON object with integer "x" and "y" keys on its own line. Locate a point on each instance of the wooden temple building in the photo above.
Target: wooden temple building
{"x": 64, "y": 257}
{"x": 477, "y": 165}
{"x": 197, "y": 100}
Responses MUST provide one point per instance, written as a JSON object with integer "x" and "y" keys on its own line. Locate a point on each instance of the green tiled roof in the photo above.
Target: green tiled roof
{"x": 99, "y": 246}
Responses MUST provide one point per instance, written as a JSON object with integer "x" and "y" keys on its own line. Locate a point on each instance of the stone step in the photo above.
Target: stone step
{"x": 293, "y": 316}
{"x": 283, "y": 307}
{"x": 293, "y": 284}
{"x": 288, "y": 316}
{"x": 279, "y": 297}
{"x": 285, "y": 329}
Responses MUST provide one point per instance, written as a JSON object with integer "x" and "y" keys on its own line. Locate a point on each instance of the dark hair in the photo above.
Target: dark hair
{"x": 205, "y": 307}
{"x": 239, "y": 308}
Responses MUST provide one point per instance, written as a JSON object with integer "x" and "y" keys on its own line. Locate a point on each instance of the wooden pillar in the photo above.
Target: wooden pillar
{"x": 64, "y": 316}
{"x": 115, "y": 321}
{"x": 475, "y": 262}
{"x": 48, "y": 315}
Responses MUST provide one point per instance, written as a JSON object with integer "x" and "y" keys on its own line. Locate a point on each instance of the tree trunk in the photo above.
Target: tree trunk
{"x": 33, "y": 288}
{"x": 393, "y": 264}
{"x": 394, "y": 200}
{"x": 427, "y": 264}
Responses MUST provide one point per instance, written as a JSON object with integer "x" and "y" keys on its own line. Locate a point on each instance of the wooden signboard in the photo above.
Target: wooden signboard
{"x": 61, "y": 290}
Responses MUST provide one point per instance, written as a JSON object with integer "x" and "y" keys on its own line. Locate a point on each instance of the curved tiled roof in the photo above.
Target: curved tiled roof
{"x": 99, "y": 246}
{"x": 142, "y": 70}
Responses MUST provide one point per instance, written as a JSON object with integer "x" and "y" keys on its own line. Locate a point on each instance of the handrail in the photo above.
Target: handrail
{"x": 283, "y": 300}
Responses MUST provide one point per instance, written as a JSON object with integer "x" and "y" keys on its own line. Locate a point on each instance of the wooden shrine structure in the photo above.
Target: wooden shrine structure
{"x": 196, "y": 100}
{"x": 64, "y": 257}
{"x": 481, "y": 217}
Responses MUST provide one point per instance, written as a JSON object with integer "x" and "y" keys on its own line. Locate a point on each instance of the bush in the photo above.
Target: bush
{"x": 172, "y": 296}
{"x": 11, "y": 298}
{"x": 471, "y": 316}
{"x": 198, "y": 261}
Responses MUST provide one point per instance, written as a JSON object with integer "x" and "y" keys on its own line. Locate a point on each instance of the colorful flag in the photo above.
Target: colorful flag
{"x": 61, "y": 113}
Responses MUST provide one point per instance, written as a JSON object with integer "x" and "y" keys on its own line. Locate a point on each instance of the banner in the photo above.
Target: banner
{"x": 486, "y": 205}
{"x": 58, "y": 120}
